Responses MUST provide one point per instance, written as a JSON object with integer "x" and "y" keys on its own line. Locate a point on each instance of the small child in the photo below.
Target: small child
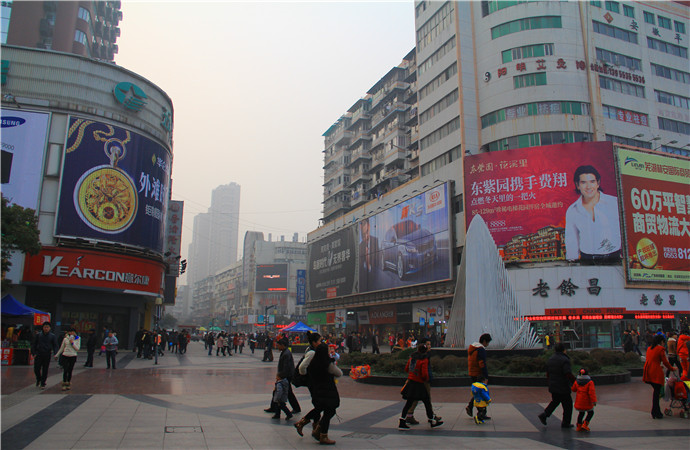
{"x": 280, "y": 397}
{"x": 585, "y": 399}
{"x": 482, "y": 398}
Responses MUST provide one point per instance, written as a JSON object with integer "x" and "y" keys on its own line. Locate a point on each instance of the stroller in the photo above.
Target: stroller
{"x": 677, "y": 391}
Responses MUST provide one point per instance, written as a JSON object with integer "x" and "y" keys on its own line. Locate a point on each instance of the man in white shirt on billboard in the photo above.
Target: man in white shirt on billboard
{"x": 592, "y": 224}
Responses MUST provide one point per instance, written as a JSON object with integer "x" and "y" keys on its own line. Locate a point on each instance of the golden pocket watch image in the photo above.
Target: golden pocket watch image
{"x": 105, "y": 196}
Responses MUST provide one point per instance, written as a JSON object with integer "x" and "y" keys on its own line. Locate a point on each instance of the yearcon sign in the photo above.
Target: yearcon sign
{"x": 524, "y": 196}
{"x": 115, "y": 186}
{"x": 656, "y": 196}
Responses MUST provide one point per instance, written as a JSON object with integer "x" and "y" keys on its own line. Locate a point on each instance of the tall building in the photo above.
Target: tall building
{"x": 486, "y": 77}
{"x": 83, "y": 28}
{"x": 225, "y": 222}
{"x": 200, "y": 249}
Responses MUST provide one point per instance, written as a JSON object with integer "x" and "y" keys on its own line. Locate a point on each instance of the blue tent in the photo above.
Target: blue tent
{"x": 299, "y": 327}
{"x": 11, "y": 306}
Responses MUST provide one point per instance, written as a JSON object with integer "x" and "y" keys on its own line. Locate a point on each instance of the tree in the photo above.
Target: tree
{"x": 168, "y": 321}
{"x": 19, "y": 233}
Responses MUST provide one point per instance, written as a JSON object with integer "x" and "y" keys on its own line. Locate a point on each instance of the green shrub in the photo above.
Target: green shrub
{"x": 632, "y": 359}
{"x": 607, "y": 357}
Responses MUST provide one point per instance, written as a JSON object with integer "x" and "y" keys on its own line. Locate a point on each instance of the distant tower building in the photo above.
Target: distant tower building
{"x": 83, "y": 28}
{"x": 225, "y": 222}
{"x": 199, "y": 249}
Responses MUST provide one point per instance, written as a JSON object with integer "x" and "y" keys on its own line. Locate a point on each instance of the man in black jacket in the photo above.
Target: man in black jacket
{"x": 43, "y": 348}
{"x": 286, "y": 369}
{"x": 560, "y": 376}
{"x": 90, "y": 348}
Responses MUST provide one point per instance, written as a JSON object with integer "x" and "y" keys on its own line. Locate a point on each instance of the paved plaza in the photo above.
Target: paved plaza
{"x": 196, "y": 401}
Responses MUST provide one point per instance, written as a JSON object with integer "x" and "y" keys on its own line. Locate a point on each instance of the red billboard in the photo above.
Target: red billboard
{"x": 91, "y": 269}
{"x": 536, "y": 211}
{"x": 656, "y": 199}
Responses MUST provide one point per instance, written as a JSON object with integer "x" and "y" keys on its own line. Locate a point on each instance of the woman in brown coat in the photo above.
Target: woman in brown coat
{"x": 653, "y": 373}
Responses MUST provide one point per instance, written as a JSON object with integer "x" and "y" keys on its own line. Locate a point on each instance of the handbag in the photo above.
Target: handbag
{"x": 299, "y": 380}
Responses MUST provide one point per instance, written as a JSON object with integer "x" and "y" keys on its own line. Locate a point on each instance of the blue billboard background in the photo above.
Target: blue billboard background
{"x": 301, "y": 286}
{"x": 115, "y": 186}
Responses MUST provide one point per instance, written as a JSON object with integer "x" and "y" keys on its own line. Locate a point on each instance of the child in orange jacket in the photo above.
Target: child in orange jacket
{"x": 585, "y": 399}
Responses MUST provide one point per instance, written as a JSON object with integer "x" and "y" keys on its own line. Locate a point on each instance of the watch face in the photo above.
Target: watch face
{"x": 106, "y": 199}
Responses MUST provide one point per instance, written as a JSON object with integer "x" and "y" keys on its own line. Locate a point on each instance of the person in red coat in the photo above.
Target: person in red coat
{"x": 415, "y": 390}
{"x": 585, "y": 399}
{"x": 653, "y": 373}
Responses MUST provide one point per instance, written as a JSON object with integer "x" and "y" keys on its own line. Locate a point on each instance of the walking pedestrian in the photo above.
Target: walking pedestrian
{"x": 482, "y": 398}
{"x": 220, "y": 344}
{"x": 44, "y": 346}
{"x": 210, "y": 342}
{"x": 476, "y": 365}
{"x": 314, "y": 340}
{"x": 182, "y": 342}
{"x": 559, "y": 374}
{"x": 683, "y": 352}
{"x": 90, "y": 347}
{"x": 252, "y": 342}
{"x": 375, "y": 343}
{"x": 322, "y": 373}
{"x": 68, "y": 349}
{"x": 417, "y": 368}
{"x": 585, "y": 399}
{"x": 286, "y": 368}
{"x": 653, "y": 374}
{"x": 268, "y": 351}
{"x": 110, "y": 344}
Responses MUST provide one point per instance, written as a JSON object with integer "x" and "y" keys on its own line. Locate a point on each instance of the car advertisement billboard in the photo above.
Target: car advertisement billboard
{"x": 332, "y": 265}
{"x": 535, "y": 209}
{"x": 656, "y": 214}
{"x": 406, "y": 244}
{"x": 271, "y": 278}
{"x": 114, "y": 186}
{"x": 23, "y": 146}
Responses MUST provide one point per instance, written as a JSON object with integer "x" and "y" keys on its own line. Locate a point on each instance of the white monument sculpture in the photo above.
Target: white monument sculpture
{"x": 484, "y": 299}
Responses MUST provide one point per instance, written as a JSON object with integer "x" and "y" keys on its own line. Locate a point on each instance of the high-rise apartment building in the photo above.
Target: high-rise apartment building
{"x": 83, "y": 28}
{"x": 200, "y": 249}
{"x": 225, "y": 222}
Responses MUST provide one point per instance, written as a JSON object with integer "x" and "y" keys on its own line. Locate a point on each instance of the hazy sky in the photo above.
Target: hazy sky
{"x": 254, "y": 86}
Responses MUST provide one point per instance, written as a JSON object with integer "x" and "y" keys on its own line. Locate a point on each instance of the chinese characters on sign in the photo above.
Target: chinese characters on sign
{"x": 567, "y": 287}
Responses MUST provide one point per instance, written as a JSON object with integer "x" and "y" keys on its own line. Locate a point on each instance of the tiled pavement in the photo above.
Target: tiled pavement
{"x": 196, "y": 401}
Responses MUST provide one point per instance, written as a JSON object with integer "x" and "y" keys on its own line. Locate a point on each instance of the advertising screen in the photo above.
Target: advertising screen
{"x": 332, "y": 265}
{"x": 301, "y": 295}
{"x": 656, "y": 201}
{"x": 406, "y": 244}
{"x": 534, "y": 208}
{"x": 271, "y": 278}
{"x": 23, "y": 146}
{"x": 114, "y": 186}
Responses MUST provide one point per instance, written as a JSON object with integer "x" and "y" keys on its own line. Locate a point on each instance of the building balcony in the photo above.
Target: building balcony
{"x": 360, "y": 154}
{"x": 359, "y": 176}
{"x": 380, "y": 117}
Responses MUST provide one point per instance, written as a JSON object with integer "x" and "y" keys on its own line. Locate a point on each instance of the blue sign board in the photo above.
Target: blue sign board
{"x": 301, "y": 286}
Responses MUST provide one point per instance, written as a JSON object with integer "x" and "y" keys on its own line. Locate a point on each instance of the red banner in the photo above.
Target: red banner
{"x": 523, "y": 196}
{"x": 382, "y": 314}
{"x": 92, "y": 269}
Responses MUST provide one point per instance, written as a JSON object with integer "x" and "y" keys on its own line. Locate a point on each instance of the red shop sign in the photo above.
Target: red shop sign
{"x": 92, "y": 269}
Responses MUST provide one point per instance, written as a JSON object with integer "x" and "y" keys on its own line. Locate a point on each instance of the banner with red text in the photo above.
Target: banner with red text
{"x": 656, "y": 205}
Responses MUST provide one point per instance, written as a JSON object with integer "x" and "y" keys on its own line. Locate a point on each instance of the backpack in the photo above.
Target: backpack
{"x": 299, "y": 380}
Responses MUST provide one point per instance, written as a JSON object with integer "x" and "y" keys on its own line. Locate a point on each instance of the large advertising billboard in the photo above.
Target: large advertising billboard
{"x": 114, "y": 186}
{"x": 406, "y": 244}
{"x": 548, "y": 203}
{"x": 656, "y": 214}
{"x": 332, "y": 265}
{"x": 271, "y": 278}
{"x": 23, "y": 148}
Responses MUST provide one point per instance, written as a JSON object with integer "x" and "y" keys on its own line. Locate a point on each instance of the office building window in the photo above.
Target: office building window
{"x": 534, "y": 139}
{"x": 527, "y": 51}
{"x": 628, "y": 141}
{"x": 534, "y": 109}
{"x": 671, "y": 74}
{"x": 596, "y": 3}
{"x": 623, "y": 115}
{"x": 435, "y": 25}
{"x": 680, "y": 27}
{"x": 529, "y": 23}
{"x": 621, "y": 86}
{"x": 648, "y": 17}
{"x": 666, "y": 47}
{"x": 440, "y": 133}
{"x": 80, "y": 37}
{"x": 618, "y": 59}
{"x": 529, "y": 79}
{"x": 629, "y": 11}
{"x": 675, "y": 150}
{"x": 439, "y": 80}
{"x": 451, "y": 155}
{"x": 612, "y": 6}
{"x": 84, "y": 14}
{"x": 664, "y": 22}
{"x": 6, "y": 13}
{"x": 674, "y": 126}
{"x": 438, "y": 54}
{"x": 614, "y": 32}
{"x": 439, "y": 106}
{"x": 672, "y": 99}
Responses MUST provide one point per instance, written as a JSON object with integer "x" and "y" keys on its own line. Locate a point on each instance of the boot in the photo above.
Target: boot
{"x": 435, "y": 422}
{"x": 316, "y": 432}
{"x": 411, "y": 420}
{"x": 69, "y": 385}
{"x": 579, "y": 427}
{"x": 402, "y": 424}
{"x": 585, "y": 426}
{"x": 299, "y": 425}
{"x": 64, "y": 385}
{"x": 323, "y": 439}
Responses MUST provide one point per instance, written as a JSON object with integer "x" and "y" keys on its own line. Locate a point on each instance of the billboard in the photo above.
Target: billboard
{"x": 301, "y": 295}
{"x": 536, "y": 211}
{"x": 91, "y": 269}
{"x": 406, "y": 244}
{"x": 332, "y": 265}
{"x": 271, "y": 278}
{"x": 114, "y": 186}
{"x": 173, "y": 236}
{"x": 23, "y": 146}
{"x": 656, "y": 201}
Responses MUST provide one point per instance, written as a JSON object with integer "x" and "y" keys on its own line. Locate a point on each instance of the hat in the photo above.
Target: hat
{"x": 583, "y": 371}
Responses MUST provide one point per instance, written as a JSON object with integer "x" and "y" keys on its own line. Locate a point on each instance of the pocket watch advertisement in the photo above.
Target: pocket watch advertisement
{"x": 115, "y": 186}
